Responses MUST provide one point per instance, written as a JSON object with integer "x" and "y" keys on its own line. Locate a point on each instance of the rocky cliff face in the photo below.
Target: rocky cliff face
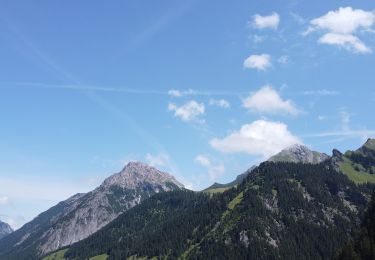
{"x": 5, "y": 229}
{"x": 83, "y": 214}
{"x": 299, "y": 154}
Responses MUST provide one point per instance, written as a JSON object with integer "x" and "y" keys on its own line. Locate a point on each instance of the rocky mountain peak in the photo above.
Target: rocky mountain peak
{"x": 299, "y": 153}
{"x": 85, "y": 213}
{"x": 5, "y": 229}
{"x": 370, "y": 144}
{"x": 135, "y": 174}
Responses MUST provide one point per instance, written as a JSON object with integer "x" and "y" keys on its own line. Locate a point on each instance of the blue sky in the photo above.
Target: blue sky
{"x": 201, "y": 89}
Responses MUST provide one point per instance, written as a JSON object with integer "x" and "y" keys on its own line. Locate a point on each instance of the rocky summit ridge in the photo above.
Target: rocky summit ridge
{"x": 83, "y": 214}
{"x": 298, "y": 153}
{"x": 5, "y": 229}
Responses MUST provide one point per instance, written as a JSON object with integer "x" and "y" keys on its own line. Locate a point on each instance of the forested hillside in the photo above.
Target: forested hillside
{"x": 281, "y": 210}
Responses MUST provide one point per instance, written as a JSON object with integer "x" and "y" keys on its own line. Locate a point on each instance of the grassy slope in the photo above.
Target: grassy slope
{"x": 358, "y": 177}
{"x": 59, "y": 255}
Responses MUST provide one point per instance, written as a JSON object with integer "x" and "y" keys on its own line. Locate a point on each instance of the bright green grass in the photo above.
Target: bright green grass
{"x": 358, "y": 177}
{"x": 59, "y": 255}
{"x": 100, "y": 257}
{"x": 217, "y": 190}
{"x": 235, "y": 201}
{"x": 134, "y": 257}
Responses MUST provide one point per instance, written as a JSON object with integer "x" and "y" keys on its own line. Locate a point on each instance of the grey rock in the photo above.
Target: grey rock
{"x": 299, "y": 154}
{"x": 83, "y": 214}
{"x": 5, "y": 229}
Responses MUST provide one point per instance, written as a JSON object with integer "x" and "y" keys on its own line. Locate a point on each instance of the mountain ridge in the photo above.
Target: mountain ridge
{"x": 82, "y": 214}
{"x": 5, "y": 229}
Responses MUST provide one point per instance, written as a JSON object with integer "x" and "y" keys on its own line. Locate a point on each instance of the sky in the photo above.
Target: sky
{"x": 200, "y": 89}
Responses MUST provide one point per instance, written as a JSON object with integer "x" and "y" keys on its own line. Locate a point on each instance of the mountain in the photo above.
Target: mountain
{"x": 5, "y": 229}
{"x": 83, "y": 214}
{"x": 358, "y": 165}
{"x": 296, "y": 153}
{"x": 363, "y": 246}
{"x": 281, "y": 210}
{"x": 218, "y": 187}
{"x": 299, "y": 154}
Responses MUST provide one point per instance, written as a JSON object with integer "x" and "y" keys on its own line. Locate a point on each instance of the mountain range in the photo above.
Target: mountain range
{"x": 290, "y": 206}
{"x": 83, "y": 214}
{"x": 5, "y": 229}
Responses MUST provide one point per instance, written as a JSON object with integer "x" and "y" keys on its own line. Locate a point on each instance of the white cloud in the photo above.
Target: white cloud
{"x": 213, "y": 170}
{"x": 4, "y": 200}
{"x": 261, "y": 137}
{"x": 257, "y": 38}
{"x": 220, "y": 103}
{"x": 157, "y": 160}
{"x": 174, "y": 93}
{"x": 189, "y": 111}
{"x": 179, "y": 93}
{"x": 203, "y": 160}
{"x": 299, "y": 19}
{"x": 262, "y": 22}
{"x": 340, "y": 27}
{"x": 321, "y": 92}
{"x": 267, "y": 100}
{"x": 345, "y": 120}
{"x": 284, "y": 59}
{"x": 346, "y": 41}
{"x": 321, "y": 118}
{"x": 259, "y": 62}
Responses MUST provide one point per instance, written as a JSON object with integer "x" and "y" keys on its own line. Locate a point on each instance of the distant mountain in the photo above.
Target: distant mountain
{"x": 218, "y": 187}
{"x": 296, "y": 153}
{"x": 358, "y": 165}
{"x": 299, "y": 154}
{"x": 83, "y": 214}
{"x": 5, "y": 229}
{"x": 280, "y": 211}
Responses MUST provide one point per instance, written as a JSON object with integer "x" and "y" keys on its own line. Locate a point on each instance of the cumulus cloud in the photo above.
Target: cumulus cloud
{"x": 340, "y": 27}
{"x": 213, "y": 170}
{"x": 266, "y": 100}
{"x": 180, "y": 93}
{"x": 157, "y": 160}
{"x": 269, "y": 21}
{"x": 189, "y": 111}
{"x": 4, "y": 200}
{"x": 220, "y": 103}
{"x": 259, "y": 62}
{"x": 261, "y": 137}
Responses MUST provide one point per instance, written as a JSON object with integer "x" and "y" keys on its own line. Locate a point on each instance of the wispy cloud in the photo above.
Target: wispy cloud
{"x": 124, "y": 90}
{"x": 214, "y": 170}
{"x": 320, "y": 92}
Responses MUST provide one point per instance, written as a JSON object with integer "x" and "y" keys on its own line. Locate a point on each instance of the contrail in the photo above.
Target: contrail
{"x": 79, "y": 87}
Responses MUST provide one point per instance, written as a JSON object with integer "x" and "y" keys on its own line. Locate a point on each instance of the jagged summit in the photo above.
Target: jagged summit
{"x": 85, "y": 213}
{"x": 299, "y": 153}
{"x": 370, "y": 144}
{"x": 135, "y": 174}
{"x": 5, "y": 229}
